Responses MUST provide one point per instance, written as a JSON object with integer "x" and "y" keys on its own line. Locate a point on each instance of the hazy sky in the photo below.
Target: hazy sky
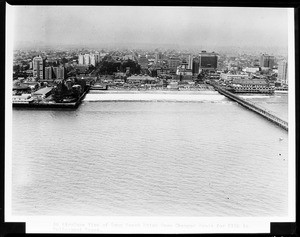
{"x": 162, "y": 25}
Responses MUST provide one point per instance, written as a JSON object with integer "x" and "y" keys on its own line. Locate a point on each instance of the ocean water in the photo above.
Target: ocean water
{"x": 203, "y": 156}
{"x": 277, "y": 103}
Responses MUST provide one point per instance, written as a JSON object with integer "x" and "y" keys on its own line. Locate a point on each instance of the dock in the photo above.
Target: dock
{"x": 47, "y": 105}
{"x": 251, "y": 106}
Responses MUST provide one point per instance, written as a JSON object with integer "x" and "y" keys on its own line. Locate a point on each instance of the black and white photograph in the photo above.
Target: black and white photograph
{"x": 154, "y": 119}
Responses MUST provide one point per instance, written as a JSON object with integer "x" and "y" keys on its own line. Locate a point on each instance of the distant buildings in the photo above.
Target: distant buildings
{"x": 128, "y": 57}
{"x": 266, "y": 61}
{"x": 282, "y": 71}
{"x": 143, "y": 61}
{"x": 207, "y": 61}
{"x": 38, "y": 67}
{"x": 141, "y": 79}
{"x": 80, "y": 59}
{"x": 59, "y": 72}
{"x": 233, "y": 77}
{"x": 174, "y": 62}
{"x": 88, "y": 59}
{"x": 195, "y": 66}
{"x": 93, "y": 60}
{"x": 158, "y": 57}
{"x": 54, "y": 73}
{"x": 48, "y": 73}
{"x": 190, "y": 62}
{"x": 251, "y": 69}
{"x": 183, "y": 70}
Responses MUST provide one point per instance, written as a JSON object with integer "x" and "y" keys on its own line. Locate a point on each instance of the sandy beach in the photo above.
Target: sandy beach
{"x": 154, "y": 96}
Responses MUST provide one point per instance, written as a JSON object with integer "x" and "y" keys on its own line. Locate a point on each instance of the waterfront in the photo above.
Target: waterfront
{"x": 150, "y": 158}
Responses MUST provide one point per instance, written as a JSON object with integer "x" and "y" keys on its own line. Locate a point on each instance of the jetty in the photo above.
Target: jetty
{"x": 251, "y": 106}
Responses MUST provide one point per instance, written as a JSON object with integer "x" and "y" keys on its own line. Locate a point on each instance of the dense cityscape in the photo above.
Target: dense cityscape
{"x": 63, "y": 76}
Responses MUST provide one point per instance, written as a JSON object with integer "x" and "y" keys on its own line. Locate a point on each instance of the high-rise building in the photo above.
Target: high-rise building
{"x": 97, "y": 57}
{"x": 59, "y": 72}
{"x": 80, "y": 59}
{"x": 283, "y": 71}
{"x": 54, "y": 75}
{"x": 195, "y": 67}
{"x": 48, "y": 73}
{"x": 207, "y": 61}
{"x": 158, "y": 57}
{"x": 267, "y": 61}
{"x": 38, "y": 67}
{"x": 143, "y": 61}
{"x": 93, "y": 59}
{"x": 174, "y": 62}
{"x": 190, "y": 62}
{"x": 87, "y": 59}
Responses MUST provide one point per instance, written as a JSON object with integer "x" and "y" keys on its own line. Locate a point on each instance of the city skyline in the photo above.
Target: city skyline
{"x": 172, "y": 26}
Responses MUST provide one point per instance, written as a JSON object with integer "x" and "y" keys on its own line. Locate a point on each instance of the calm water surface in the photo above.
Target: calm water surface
{"x": 206, "y": 158}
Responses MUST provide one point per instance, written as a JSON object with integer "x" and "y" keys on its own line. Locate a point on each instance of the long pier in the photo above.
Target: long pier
{"x": 266, "y": 114}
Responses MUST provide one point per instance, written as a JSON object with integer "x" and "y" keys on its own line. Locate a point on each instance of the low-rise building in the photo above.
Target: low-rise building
{"x": 22, "y": 99}
{"x": 21, "y": 89}
{"x": 43, "y": 93}
{"x": 230, "y": 77}
{"x": 141, "y": 79}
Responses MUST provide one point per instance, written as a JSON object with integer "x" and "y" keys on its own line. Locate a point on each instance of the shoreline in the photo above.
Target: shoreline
{"x": 155, "y": 96}
{"x": 197, "y": 92}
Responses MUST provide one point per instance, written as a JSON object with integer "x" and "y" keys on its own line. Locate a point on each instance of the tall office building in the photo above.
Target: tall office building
{"x": 38, "y": 67}
{"x": 59, "y": 72}
{"x": 93, "y": 59}
{"x": 190, "y": 62}
{"x": 174, "y": 62}
{"x": 143, "y": 61}
{"x": 97, "y": 57}
{"x": 158, "y": 57}
{"x": 208, "y": 61}
{"x": 48, "y": 73}
{"x": 283, "y": 71}
{"x": 267, "y": 61}
{"x": 87, "y": 59}
{"x": 80, "y": 59}
{"x": 195, "y": 66}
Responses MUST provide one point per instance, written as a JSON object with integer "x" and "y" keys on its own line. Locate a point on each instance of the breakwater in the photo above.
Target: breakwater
{"x": 266, "y": 114}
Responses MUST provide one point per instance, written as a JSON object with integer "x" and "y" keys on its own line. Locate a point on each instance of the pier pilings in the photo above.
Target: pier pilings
{"x": 251, "y": 106}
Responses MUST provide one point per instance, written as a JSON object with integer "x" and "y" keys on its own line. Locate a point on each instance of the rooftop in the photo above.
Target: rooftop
{"x": 140, "y": 77}
{"x": 44, "y": 90}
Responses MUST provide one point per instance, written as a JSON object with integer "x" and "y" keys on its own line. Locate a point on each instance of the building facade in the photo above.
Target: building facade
{"x": 59, "y": 72}
{"x": 195, "y": 66}
{"x": 80, "y": 59}
{"x": 87, "y": 59}
{"x": 48, "y": 73}
{"x": 93, "y": 60}
{"x": 266, "y": 61}
{"x": 283, "y": 72}
{"x": 174, "y": 62}
{"x": 38, "y": 67}
{"x": 208, "y": 61}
